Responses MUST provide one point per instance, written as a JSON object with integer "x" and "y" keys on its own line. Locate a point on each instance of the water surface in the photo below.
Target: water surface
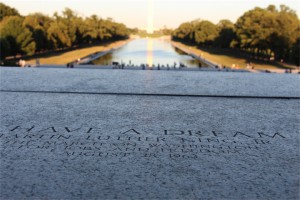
{"x": 148, "y": 51}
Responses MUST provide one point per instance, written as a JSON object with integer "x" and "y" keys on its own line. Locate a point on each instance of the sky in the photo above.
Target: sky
{"x": 151, "y": 13}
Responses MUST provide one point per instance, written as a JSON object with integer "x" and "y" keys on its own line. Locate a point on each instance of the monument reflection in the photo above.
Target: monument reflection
{"x": 150, "y": 52}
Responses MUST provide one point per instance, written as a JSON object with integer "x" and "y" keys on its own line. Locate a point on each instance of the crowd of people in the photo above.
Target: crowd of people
{"x": 174, "y": 66}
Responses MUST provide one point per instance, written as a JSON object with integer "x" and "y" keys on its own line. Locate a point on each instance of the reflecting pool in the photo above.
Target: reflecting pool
{"x": 150, "y": 51}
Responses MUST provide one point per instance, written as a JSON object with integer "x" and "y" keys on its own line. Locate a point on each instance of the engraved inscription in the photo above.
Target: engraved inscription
{"x": 75, "y": 142}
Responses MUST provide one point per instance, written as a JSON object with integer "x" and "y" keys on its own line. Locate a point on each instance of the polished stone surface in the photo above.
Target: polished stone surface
{"x": 100, "y": 146}
{"x": 157, "y": 82}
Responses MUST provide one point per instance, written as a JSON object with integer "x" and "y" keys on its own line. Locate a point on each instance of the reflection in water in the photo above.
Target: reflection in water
{"x": 150, "y": 52}
{"x": 103, "y": 60}
{"x": 180, "y": 52}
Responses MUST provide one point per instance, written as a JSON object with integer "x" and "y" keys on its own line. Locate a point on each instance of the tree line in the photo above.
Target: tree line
{"x": 27, "y": 35}
{"x": 269, "y": 33}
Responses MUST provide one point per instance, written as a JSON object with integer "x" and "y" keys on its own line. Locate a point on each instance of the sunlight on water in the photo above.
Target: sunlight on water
{"x": 150, "y": 52}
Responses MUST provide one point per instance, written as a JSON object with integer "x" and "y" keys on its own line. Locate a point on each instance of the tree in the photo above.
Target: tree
{"x": 104, "y": 29}
{"x": 264, "y": 33}
{"x": 5, "y": 49}
{"x": 197, "y": 31}
{"x": 38, "y": 32}
{"x": 226, "y": 34}
{"x": 295, "y": 52}
{"x": 286, "y": 32}
{"x": 69, "y": 20}
{"x": 17, "y": 35}
{"x": 38, "y": 24}
{"x": 166, "y": 31}
{"x": 205, "y": 33}
{"x": 93, "y": 31}
{"x": 268, "y": 30}
{"x": 58, "y": 35}
{"x": 7, "y": 11}
{"x": 184, "y": 32}
{"x": 121, "y": 31}
{"x": 254, "y": 28}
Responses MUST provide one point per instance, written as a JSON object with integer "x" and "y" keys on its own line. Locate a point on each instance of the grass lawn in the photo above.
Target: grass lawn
{"x": 228, "y": 57}
{"x": 62, "y": 58}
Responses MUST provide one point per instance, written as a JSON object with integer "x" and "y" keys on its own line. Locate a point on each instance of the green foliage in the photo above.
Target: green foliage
{"x": 184, "y": 32}
{"x": 255, "y": 27}
{"x": 155, "y": 34}
{"x": 17, "y": 35}
{"x": 98, "y": 30}
{"x": 286, "y": 33}
{"x": 226, "y": 34}
{"x": 295, "y": 52}
{"x": 5, "y": 48}
{"x": 38, "y": 32}
{"x": 268, "y": 30}
{"x": 263, "y": 33}
{"x": 198, "y": 31}
{"x": 7, "y": 11}
{"x": 38, "y": 24}
{"x": 133, "y": 31}
{"x": 205, "y": 33}
{"x": 58, "y": 35}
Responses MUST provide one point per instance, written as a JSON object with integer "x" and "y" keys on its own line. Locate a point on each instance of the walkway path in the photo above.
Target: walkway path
{"x": 187, "y": 51}
{"x": 88, "y": 59}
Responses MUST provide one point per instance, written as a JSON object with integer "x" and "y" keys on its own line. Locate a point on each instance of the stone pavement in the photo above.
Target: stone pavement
{"x": 123, "y": 134}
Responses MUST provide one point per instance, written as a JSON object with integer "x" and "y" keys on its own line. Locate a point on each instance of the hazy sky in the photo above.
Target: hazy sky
{"x": 134, "y": 13}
